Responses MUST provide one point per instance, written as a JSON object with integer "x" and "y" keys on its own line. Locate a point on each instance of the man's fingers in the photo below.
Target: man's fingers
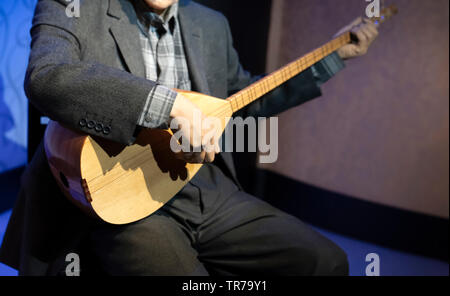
{"x": 353, "y": 49}
{"x": 213, "y": 145}
{"x": 209, "y": 157}
{"x": 367, "y": 29}
{"x": 371, "y": 35}
{"x": 208, "y": 143}
{"x": 373, "y": 30}
{"x": 362, "y": 38}
{"x": 367, "y": 34}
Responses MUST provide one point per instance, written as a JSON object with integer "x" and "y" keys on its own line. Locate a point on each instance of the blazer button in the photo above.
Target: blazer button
{"x": 91, "y": 124}
{"x": 83, "y": 122}
{"x": 107, "y": 130}
{"x": 99, "y": 127}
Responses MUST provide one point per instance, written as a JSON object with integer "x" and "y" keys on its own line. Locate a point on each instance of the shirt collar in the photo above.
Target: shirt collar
{"x": 149, "y": 18}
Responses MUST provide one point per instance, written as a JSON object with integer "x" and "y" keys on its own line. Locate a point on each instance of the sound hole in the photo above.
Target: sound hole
{"x": 64, "y": 180}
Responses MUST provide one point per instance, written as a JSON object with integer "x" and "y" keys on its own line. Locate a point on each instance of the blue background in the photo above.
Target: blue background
{"x": 15, "y": 22}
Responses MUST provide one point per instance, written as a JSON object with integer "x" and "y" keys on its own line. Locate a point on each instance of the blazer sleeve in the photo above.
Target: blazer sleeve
{"x": 97, "y": 99}
{"x": 294, "y": 92}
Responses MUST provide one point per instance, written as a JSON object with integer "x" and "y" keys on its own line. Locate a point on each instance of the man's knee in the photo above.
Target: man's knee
{"x": 152, "y": 246}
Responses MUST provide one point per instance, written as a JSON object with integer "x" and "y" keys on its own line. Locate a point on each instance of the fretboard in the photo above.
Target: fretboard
{"x": 277, "y": 78}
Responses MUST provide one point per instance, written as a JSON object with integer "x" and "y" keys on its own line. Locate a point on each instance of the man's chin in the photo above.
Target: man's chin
{"x": 159, "y": 5}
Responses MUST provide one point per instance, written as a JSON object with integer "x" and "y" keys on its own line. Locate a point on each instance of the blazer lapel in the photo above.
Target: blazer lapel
{"x": 193, "y": 45}
{"x": 126, "y": 34}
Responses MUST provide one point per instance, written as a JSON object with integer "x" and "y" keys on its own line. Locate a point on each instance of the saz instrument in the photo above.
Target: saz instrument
{"x": 124, "y": 184}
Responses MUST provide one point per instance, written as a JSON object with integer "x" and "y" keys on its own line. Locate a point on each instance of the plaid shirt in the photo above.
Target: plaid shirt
{"x": 165, "y": 63}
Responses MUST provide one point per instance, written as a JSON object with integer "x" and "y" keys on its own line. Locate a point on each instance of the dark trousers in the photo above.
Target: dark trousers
{"x": 231, "y": 235}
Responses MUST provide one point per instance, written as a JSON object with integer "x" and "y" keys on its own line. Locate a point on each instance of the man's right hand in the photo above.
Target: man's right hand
{"x": 189, "y": 119}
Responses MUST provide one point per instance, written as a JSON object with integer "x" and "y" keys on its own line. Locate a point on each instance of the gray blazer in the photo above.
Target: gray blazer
{"x": 91, "y": 68}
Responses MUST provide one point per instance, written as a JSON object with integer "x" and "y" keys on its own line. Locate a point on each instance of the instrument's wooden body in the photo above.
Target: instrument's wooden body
{"x": 122, "y": 184}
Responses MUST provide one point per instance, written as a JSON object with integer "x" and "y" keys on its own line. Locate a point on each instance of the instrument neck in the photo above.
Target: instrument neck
{"x": 277, "y": 78}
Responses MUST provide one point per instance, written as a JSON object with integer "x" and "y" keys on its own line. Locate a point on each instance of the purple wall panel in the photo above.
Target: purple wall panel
{"x": 381, "y": 130}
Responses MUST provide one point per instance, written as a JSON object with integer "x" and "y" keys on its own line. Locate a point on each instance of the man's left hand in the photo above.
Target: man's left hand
{"x": 366, "y": 32}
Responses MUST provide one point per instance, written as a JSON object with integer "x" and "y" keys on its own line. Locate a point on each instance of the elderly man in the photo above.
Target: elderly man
{"x": 119, "y": 64}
